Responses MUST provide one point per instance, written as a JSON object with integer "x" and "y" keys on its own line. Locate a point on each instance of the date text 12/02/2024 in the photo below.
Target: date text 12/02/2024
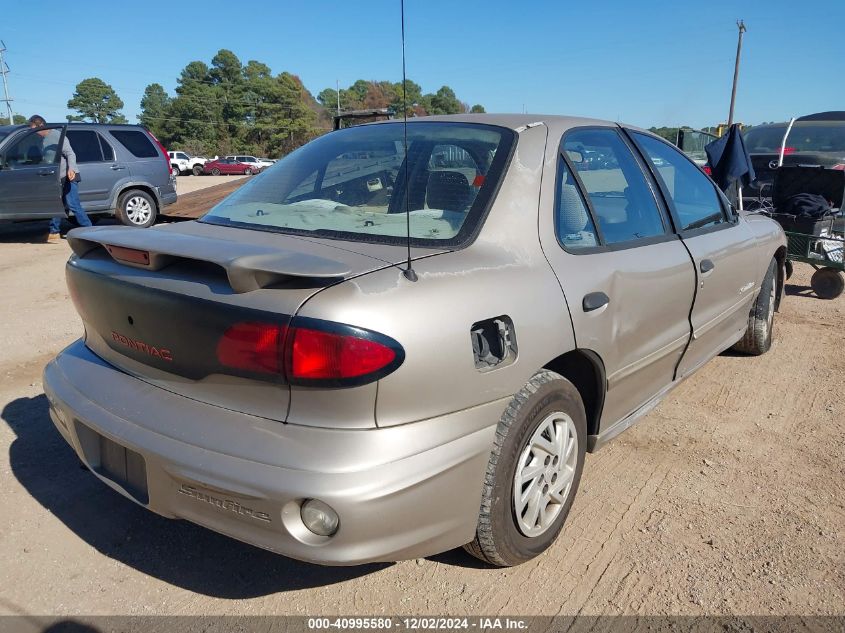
{"x": 417, "y": 623}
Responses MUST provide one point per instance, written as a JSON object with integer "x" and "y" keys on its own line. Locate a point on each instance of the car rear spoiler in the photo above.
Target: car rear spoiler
{"x": 248, "y": 267}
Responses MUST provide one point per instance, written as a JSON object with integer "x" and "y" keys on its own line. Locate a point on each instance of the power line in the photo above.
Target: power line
{"x": 4, "y": 70}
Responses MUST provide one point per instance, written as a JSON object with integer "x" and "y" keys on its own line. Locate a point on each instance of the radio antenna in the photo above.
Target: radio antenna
{"x": 409, "y": 272}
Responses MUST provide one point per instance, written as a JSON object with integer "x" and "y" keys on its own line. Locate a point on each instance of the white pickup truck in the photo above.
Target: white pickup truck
{"x": 183, "y": 163}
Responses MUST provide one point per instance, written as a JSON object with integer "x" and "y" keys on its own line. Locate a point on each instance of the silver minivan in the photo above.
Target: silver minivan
{"x": 124, "y": 171}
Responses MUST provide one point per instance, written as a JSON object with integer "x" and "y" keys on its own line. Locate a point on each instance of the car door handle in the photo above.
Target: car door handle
{"x": 47, "y": 172}
{"x": 594, "y": 301}
{"x": 118, "y": 167}
{"x": 706, "y": 266}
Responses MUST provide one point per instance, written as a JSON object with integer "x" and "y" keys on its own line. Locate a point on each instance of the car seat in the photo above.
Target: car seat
{"x": 447, "y": 190}
{"x": 573, "y": 218}
{"x": 34, "y": 155}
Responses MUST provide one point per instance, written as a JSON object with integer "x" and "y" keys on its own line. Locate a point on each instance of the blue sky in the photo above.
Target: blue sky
{"x": 646, "y": 62}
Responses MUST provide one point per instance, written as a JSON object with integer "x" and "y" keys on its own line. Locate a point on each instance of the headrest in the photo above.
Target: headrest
{"x": 447, "y": 190}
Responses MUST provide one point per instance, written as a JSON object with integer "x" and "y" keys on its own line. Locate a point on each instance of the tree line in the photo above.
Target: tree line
{"x": 227, "y": 106}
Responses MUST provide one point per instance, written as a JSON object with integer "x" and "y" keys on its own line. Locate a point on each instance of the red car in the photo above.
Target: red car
{"x": 228, "y": 166}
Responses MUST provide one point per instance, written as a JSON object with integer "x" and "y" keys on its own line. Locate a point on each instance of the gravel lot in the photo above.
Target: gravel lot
{"x": 727, "y": 499}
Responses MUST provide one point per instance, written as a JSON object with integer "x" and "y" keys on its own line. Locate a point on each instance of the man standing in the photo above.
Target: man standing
{"x": 68, "y": 172}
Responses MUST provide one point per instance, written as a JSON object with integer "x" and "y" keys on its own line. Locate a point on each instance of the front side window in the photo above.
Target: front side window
{"x": 182, "y": 156}
{"x": 621, "y": 198}
{"x": 36, "y": 148}
{"x": 351, "y": 184}
{"x": 693, "y": 194}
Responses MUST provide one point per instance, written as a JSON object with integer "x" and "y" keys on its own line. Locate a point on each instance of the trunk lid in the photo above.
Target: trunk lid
{"x": 156, "y": 302}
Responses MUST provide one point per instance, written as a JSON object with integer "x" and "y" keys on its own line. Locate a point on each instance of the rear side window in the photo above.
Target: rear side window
{"x": 108, "y": 150}
{"x": 693, "y": 194}
{"x": 89, "y": 146}
{"x": 575, "y": 228}
{"x": 136, "y": 142}
{"x": 85, "y": 145}
{"x": 621, "y": 198}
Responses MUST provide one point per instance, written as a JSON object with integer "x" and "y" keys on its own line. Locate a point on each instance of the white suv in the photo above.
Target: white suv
{"x": 259, "y": 163}
{"x": 182, "y": 163}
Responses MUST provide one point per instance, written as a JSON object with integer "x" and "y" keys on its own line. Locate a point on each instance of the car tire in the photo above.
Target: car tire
{"x": 248, "y": 171}
{"x": 827, "y": 283}
{"x": 175, "y": 170}
{"x": 197, "y": 170}
{"x": 215, "y": 172}
{"x": 758, "y": 336}
{"x": 136, "y": 208}
{"x": 548, "y": 410}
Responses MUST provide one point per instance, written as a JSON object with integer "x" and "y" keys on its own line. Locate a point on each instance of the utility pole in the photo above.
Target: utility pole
{"x": 4, "y": 70}
{"x": 337, "y": 91}
{"x": 741, "y": 26}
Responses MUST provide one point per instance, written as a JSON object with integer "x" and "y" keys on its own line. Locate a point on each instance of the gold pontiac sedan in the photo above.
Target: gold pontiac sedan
{"x": 385, "y": 347}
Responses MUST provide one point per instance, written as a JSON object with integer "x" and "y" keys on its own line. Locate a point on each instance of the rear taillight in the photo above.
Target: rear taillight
{"x": 840, "y": 167}
{"x": 789, "y": 150}
{"x": 318, "y": 355}
{"x": 253, "y": 347}
{"x": 310, "y": 352}
{"x": 707, "y": 170}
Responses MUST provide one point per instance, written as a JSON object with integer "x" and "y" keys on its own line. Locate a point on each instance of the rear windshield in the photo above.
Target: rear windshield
{"x": 806, "y": 137}
{"x": 351, "y": 184}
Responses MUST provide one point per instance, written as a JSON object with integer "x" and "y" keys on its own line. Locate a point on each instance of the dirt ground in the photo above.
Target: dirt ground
{"x": 727, "y": 499}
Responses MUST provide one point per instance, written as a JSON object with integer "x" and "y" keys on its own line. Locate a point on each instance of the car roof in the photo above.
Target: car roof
{"x": 798, "y": 122}
{"x": 555, "y": 122}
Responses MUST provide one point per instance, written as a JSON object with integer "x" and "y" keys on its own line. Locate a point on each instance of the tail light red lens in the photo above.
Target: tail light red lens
{"x": 253, "y": 347}
{"x": 309, "y": 352}
{"x": 840, "y": 166}
{"x": 707, "y": 170}
{"x": 317, "y": 355}
{"x": 789, "y": 150}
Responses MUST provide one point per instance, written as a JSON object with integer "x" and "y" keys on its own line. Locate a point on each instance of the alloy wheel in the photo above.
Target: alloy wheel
{"x": 138, "y": 210}
{"x": 544, "y": 474}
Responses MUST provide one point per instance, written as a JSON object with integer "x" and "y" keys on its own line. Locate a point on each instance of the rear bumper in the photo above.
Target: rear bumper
{"x": 166, "y": 197}
{"x": 400, "y": 492}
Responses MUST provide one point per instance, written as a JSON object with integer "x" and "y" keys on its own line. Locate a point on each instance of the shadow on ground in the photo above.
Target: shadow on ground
{"x": 176, "y": 552}
{"x": 795, "y": 290}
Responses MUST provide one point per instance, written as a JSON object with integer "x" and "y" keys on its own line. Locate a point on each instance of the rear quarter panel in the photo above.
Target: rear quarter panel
{"x": 503, "y": 272}
{"x": 768, "y": 237}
